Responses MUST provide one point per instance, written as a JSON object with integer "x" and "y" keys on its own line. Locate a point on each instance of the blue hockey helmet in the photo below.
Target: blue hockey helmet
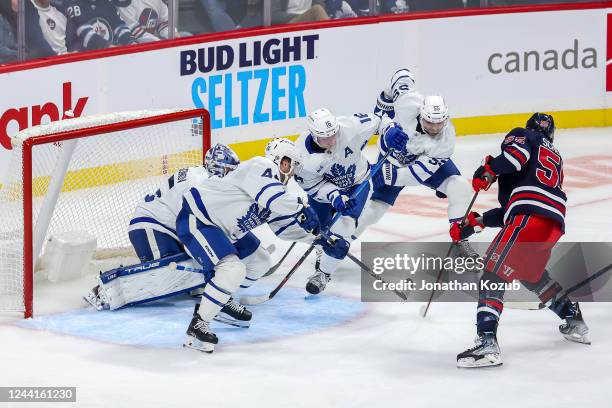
{"x": 543, "y": 123}
{"x": 220, "y": 160}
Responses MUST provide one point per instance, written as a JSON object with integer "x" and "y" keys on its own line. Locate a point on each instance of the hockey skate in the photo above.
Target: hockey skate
{"x": 234, "y": 314}
{"x": 199, "y": 335}
{"x": 97, "y": 299}
{"x": 485, "y": 353}
{"x": 317, "y": 282}
{"x": 574, "y": 328}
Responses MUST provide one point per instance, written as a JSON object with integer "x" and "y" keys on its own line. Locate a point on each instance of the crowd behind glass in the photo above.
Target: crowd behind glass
{"x": 43, "y": 28}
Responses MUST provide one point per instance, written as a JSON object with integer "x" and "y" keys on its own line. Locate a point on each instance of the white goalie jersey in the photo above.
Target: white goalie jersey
{"x": 407, "y": 106}
{"x": 344, "y": 166}
{"x": 158, "y": 211}
{"x": 247, "y": 197}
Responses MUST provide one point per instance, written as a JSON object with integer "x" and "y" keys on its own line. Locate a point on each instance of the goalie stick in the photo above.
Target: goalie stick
{"x": 254, "y": 300}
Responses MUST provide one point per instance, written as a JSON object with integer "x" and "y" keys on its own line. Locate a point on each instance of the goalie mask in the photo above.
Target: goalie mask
{"x": 220, "y": 160}
{"x": 433, "y": 115}
{"x": 323, "y": 126}
{"x": 282, "y": 152}
{"x": 543, "y": 123}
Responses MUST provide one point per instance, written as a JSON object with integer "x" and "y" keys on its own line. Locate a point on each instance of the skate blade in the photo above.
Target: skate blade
{"x": 584, "y": 339}
{"x": 196, "y": 344}
{"x": 92, "y": 300}
{"x": 232, "y": 322}
{"x": 488, "y": 360}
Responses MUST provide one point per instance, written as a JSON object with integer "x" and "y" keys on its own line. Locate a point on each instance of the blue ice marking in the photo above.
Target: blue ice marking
{"x": 162, "y": 324}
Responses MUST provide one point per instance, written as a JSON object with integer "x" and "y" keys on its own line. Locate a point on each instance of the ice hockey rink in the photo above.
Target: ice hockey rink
{"x": 333, "y": 350}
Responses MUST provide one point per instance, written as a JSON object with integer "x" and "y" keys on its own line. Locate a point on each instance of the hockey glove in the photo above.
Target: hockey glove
{"x": 384, "y": 106}
{"x": 342, "y": 203}
{"x": 484, "y": 176}
{"x": 395, "y": 137}
{"x": 309, "y": 220}
{"x": 334, "y": 245}
{"x": 473, "y": 223}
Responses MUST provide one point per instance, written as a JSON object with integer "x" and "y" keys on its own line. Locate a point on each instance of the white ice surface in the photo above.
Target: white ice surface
{"x": 387, "y": 356}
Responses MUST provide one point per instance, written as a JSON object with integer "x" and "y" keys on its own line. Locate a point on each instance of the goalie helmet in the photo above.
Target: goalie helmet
{"x": 433, "y": 114}
{"x": 543, "y": 123}
{"x": 322, "y": 125}
{"x": 279, "y": 149}
{"x": 220, "y": 160}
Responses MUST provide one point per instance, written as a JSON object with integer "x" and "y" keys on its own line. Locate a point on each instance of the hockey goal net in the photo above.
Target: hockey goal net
{"x": 86, "y": 174}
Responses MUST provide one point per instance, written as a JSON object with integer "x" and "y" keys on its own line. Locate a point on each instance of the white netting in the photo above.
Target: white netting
{"x": 106, "y": 176}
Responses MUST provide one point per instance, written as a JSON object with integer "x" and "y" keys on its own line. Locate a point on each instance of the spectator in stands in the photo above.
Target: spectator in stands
{"x": 52, "y": 23}
{"x": 146, "y": 19}
{"x": 223, "y": 15}
{"x": 395, "y": 6}
{"x": 8, "y": 45}
{"x": 92, "y": 25}
{"x": 35, "y": 44}
{"x": 339, "y": 9}
{"x": 360, "y": 7}
{"x": 298, "y": 11}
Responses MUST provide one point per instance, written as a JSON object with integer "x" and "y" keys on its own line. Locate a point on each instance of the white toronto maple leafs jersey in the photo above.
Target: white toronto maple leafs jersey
{"x": 323, "y": 172}
{"x": 158, "y": 210}
{"x": 147, "y": 19}
{"x": 247, "y": 197}
{"x": 407, "y": 107}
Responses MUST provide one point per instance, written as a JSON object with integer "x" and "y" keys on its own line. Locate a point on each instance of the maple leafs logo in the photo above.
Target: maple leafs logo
{"x": 253, "y": 218}
{"x": 341, "y": 176}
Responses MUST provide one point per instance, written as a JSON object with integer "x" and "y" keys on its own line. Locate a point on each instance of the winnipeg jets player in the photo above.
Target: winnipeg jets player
{"x": 216, "y": 219}
{"x": 152, "y": 232}
{"x": 426, "y": 159}
{"x": 531, "y": 215}
{"x": 333, "y": 167}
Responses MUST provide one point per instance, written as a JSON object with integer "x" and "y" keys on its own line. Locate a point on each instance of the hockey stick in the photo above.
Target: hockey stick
{"x": 578, "y": 285}
{"x": 372, "y": 274}
{"x": 448, "y": 254}
{"x": 254, "y": 300}
{"x": 278, "y": 264}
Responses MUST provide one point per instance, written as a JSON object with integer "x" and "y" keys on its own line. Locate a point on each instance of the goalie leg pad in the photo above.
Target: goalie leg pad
{"x": 146, "y": 282}
{"x": 229, "y": 273}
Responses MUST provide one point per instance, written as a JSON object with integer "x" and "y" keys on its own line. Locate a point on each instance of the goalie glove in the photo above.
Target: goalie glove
{"x": 472, "y": 224}
{"x": 484, "y": 176}
{"x": 309, "y": 220}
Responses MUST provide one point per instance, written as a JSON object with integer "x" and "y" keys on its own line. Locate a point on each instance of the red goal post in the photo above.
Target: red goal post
{"x": 86, "y": 174}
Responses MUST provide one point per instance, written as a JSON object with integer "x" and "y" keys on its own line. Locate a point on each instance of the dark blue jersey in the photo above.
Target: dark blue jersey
{"x": 93, "y": 24}
{"x": 530, "y": 178}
